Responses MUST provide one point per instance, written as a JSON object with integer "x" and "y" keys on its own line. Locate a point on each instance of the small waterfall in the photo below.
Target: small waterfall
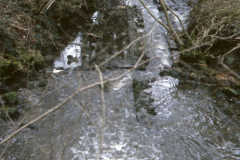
{"x": 72, "y": 51}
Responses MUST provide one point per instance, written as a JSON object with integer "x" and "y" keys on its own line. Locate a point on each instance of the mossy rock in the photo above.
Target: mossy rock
{"x": 230, "y": 92}
{"x": 43, "y": 83}
{"x": 7, "y": 67}
{"x": 11, "y": 97}
{"x": 36, "y": 58}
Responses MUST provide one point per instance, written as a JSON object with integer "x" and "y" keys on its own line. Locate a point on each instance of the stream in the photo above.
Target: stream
{"x": 189, "y": 123}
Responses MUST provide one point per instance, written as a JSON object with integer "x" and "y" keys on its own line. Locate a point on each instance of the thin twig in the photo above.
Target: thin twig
{"x": 103, "y": 111}
{"x": 5, "y": 148}
{"x": 178, "y": 20}
{"x": 179, "y": 42}
{"x": 144, "y": 5}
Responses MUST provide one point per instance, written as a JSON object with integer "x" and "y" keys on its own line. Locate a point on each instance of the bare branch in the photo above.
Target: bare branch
{"x": 178, "y": 20}
{"x": 103, "y": 111}
{"x": 166, "y": 27}
{"x": 170, "y": 24}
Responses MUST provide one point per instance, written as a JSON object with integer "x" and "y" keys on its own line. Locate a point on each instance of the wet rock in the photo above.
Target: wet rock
{"x": 139, "y": 24}
{"x": 220, "y": 94}
{"x": 193, "y": 76}
{"x": 173, "y": 45}
{"x": 43, "y": 83}
{"x": 140, "y": 18}
{"x": 71, "y": 59}
{"x": 49, "y": 59}
{"x": 159, "y": 7}
{"x": 142, "y": 99}
{"x": 49, "y": 70}
{"x": 186, "y": 75}
{"x": 11, "y": 97}
{"x": 41, "y": 71}
{"x": 165, "y": 72}
{"x": 230, "y": 92}
{"x": 204, "y": 89}
{"x": 175, "y": 73}
{"x": 31, "y": 85}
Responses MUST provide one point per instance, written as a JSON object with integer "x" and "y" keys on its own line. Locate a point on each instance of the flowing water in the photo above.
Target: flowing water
{"x": 189, "y": 123}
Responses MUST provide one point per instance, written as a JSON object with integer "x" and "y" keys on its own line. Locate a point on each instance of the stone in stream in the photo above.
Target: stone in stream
{"x": 142, "y": 99}
{"x": 71, "y": 59}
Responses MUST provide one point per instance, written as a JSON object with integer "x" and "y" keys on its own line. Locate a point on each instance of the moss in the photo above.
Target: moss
{"x": 10, "y": 111}
{"x": 35, "y": 58}
{"x": 11, "y": 97}
{"x": 7, "y": 67}
{"x": 230, "y": 92}
{"x": 193, "y": 56}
